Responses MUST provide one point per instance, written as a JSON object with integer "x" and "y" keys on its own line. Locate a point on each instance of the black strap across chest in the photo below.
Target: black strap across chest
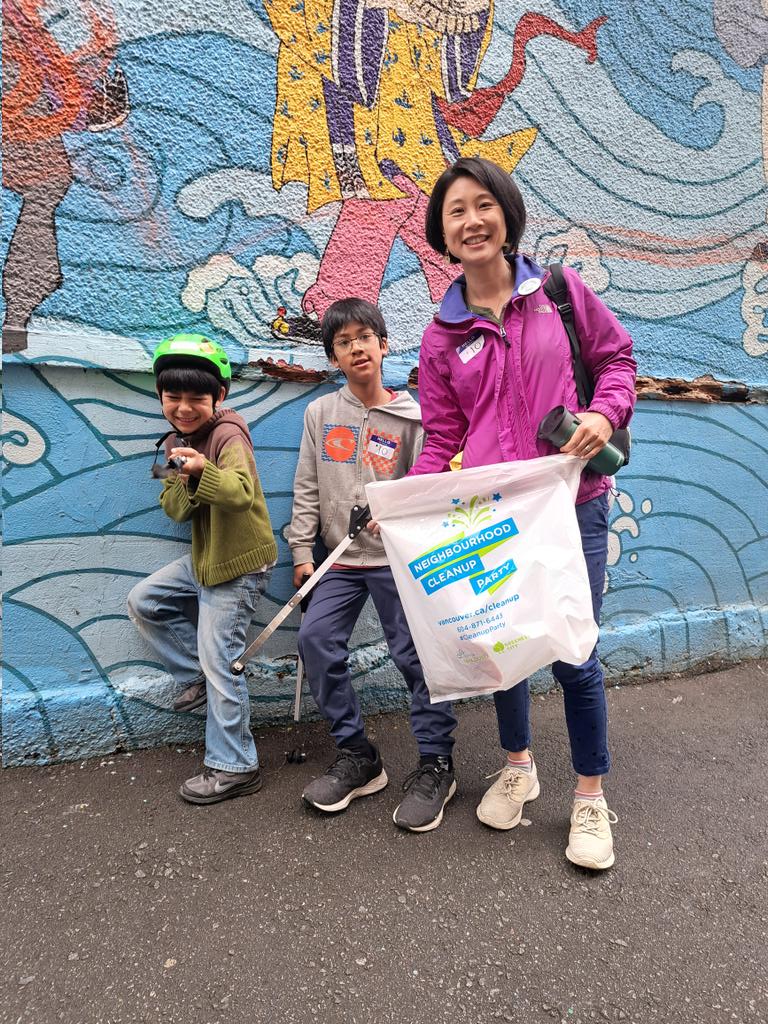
{"x": 556, "y": 288}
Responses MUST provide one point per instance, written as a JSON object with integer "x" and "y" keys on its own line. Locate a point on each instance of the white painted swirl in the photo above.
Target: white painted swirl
{"x": 22, "y": 444}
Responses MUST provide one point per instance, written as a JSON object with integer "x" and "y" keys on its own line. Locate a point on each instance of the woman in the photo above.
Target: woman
{"x": 494, "y": 361}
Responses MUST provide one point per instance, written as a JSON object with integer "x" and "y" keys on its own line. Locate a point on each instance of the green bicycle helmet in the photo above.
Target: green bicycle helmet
{"x": 196, "y": 351}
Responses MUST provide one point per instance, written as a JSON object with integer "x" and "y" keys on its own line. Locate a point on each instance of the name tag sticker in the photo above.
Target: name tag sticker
{"x": 382, "y": 446}
{"x": 529, "y": 286}
{"x": 471, "y": 347}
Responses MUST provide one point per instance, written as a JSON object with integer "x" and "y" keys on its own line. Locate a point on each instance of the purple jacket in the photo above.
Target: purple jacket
{"x": 485, "y": 390}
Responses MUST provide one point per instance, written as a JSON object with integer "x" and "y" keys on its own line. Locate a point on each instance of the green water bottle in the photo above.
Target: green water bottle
{"x": 559, "y": 425}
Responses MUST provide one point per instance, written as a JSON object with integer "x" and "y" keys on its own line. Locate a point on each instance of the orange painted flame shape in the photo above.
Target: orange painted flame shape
{"x": 473, "y": 115}
{"x": 53, "y": 88}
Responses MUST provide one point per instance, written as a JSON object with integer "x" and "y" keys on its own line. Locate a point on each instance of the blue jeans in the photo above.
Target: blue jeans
{"x": 336, "y": 603}
{"x": 197, "y": 632}
{"x": 586, "y": 712}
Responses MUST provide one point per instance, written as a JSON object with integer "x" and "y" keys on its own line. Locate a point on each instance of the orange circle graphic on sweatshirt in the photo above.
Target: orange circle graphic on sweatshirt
{"x": 339, "y": 444}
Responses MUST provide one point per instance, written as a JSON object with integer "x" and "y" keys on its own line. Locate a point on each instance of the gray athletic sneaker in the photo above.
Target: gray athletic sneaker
{"x": 213, "y": 785}
{"x": 351, "y": 775}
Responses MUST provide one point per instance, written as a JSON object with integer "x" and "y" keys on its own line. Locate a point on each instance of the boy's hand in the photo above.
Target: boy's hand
{"x": 195, "y": 461}
{"x": 374, "y": 527}
{"x": 590, "y": 437}
{"x": 301, "y": 573}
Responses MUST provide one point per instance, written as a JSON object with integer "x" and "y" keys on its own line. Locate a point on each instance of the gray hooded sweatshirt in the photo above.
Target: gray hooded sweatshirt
{"x": 344, "y": 447}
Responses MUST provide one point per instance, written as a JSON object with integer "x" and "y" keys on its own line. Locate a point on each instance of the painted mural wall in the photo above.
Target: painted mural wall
{"x": 234, "y": 168}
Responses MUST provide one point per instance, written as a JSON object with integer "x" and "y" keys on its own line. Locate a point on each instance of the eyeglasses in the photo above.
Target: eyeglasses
{"x": 343, "y": 345}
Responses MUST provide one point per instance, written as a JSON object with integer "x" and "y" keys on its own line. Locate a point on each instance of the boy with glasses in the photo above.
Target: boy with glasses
{"x": 360, "y": 433}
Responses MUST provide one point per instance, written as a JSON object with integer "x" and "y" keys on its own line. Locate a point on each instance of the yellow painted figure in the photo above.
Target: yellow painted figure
{"x": 389, "y": 76}
{"x": 374, "y": 99}
{"x": 358, "y": 120}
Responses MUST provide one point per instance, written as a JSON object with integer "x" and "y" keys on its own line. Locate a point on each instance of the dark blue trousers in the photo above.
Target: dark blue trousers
{"x": 335, "y": 607}
{"x": 583, "y": 688}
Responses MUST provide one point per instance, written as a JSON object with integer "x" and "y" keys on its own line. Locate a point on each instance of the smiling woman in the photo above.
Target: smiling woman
{"x": 493, "y": 363}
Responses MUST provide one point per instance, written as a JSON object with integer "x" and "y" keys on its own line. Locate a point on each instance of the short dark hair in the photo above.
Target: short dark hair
{"x": 491, "y": 177}
{"x": 347, "y": 311}
{"x": 189, "y": 378}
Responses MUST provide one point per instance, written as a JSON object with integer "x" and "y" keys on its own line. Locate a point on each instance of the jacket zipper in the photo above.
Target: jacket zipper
{"x": 359, "y": 466}
{"x": 359, "y": 487}
{"x": 502, "y": 328}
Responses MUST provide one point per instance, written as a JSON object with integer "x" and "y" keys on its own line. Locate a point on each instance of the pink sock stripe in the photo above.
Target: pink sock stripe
{"x": 511, "y": 760}
{"x": 587, "y": 796}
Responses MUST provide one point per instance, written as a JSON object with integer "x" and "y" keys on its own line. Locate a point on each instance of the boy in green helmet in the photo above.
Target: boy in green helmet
{"x": 195, "y": 612}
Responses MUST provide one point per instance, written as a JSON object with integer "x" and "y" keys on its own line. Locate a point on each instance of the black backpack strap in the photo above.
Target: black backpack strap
{"x": 556, "y": 288}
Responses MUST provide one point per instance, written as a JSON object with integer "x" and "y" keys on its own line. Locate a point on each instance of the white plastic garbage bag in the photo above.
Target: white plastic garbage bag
{"x": 489, "y": 566}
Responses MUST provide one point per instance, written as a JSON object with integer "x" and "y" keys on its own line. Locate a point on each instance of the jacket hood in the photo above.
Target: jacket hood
{"x": 453, "y": 309}
{"x": 402, "y": 405}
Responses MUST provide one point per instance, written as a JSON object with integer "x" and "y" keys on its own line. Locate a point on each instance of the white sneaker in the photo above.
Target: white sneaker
{"x": 590, "y": 842}
{"x": 502, "y": 805}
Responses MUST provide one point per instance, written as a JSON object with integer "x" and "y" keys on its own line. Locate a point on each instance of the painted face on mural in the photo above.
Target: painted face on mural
{"x": 187, "y": 411}
{"x": 358, "y": 352}
{"x": 473, "y": 222}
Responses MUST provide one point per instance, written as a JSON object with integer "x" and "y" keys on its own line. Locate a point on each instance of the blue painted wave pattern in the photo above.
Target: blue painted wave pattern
{"x": 663, "y": 180}
{"x": 691, "y": 523}
{"x": 658, "y": 192}
{"x": 688, "y": 575}
{"x": 82, "y": 525}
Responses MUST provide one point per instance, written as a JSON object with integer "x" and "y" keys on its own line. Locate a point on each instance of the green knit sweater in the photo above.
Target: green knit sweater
{"x": 231, "y": 531}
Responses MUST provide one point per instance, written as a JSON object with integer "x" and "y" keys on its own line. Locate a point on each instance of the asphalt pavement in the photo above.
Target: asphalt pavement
{"x": 122, "y": 904}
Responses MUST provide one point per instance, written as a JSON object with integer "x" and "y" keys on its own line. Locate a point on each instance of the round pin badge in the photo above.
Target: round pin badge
{"x": 529, "y": 286}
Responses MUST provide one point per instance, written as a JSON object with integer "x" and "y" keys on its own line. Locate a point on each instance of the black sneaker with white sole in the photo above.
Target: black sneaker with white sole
{"x": 427, "y": 790}
{"x": 351, "y": 775}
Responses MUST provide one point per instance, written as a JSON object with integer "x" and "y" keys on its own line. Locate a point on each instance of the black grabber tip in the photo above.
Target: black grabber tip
{"x": 358, "y": 517}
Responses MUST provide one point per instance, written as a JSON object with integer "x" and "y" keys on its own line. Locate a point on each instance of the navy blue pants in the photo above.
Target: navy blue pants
{"x": 583, "y": 687}
{"x": 336, "y": 603}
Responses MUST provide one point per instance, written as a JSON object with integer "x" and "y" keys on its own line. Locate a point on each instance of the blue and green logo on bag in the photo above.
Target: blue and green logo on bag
{"x": 461, "y": 557}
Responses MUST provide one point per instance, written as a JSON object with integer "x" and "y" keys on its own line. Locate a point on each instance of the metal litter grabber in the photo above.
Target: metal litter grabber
{"x": 358, "y": 517}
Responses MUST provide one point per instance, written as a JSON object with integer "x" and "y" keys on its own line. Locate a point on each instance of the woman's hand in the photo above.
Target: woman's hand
{"x": 194, "y": 464}
{"x": 373, "y": 528}
{"x": 590, "y": 437}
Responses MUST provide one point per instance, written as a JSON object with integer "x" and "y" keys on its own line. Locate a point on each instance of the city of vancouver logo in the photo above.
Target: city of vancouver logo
{"x": 461, "y": 556}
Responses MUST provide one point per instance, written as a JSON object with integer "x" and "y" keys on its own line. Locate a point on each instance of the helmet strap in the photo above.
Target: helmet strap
{"x": 158, "y": 444}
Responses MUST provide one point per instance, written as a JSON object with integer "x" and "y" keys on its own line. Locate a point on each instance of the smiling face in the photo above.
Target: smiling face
{"x": 187, "y": 411}
{"x": 473, "y": 223}
{"x": 358, "y": 352}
